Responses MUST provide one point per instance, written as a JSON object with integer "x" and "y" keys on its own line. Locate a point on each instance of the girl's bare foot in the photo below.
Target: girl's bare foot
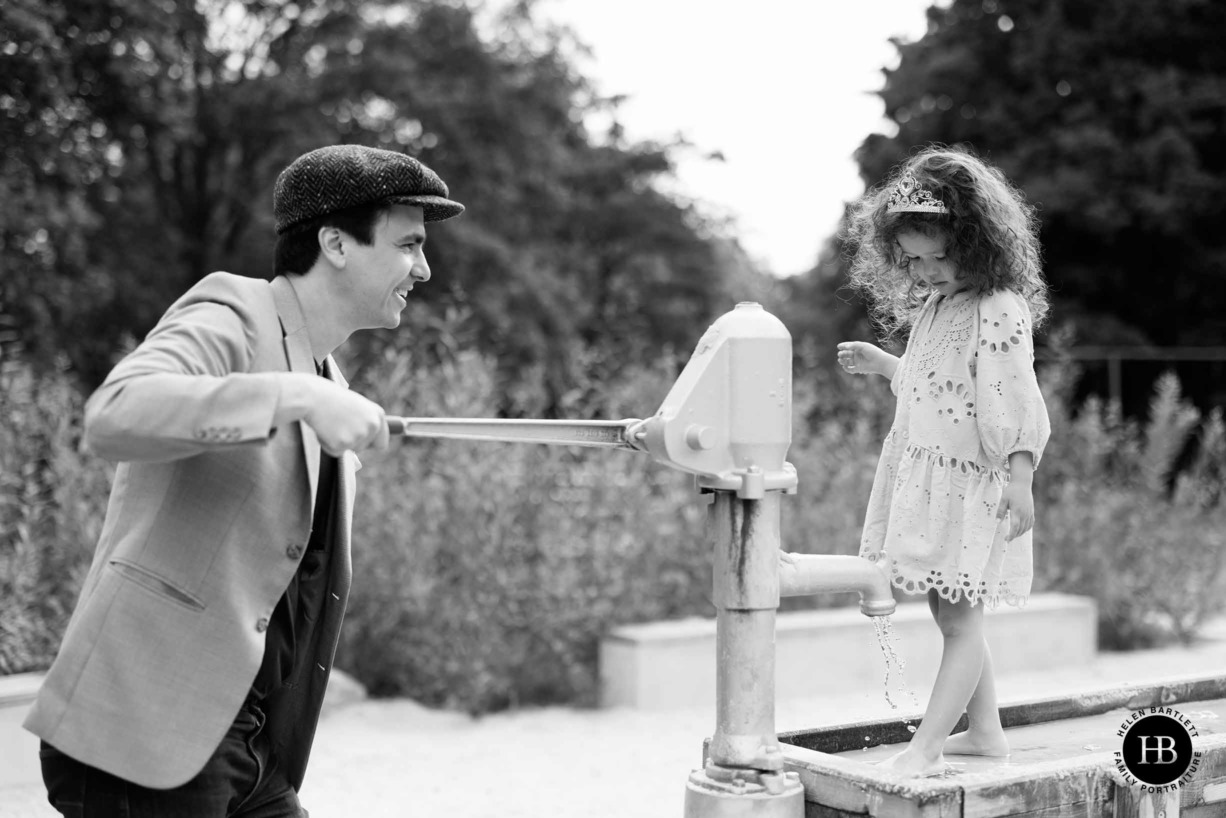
{"x": 976, "y": 743}
{"x": 911, "y": 763}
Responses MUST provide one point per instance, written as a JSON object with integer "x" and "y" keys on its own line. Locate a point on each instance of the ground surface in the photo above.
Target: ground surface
{"x": 396, "y": 758}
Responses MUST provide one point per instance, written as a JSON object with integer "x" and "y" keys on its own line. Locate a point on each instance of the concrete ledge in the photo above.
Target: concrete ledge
{"x": 661, "y": 665}
{"x": 19, "y": 689}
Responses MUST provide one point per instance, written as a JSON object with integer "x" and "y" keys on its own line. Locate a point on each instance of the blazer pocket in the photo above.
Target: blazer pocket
{"x": 155, "y": 582}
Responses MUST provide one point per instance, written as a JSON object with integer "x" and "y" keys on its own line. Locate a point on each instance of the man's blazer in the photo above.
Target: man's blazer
{"x": 208, "y": 518}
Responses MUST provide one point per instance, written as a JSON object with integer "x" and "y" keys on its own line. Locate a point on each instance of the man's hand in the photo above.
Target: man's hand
{"x": 863, "y": 358}
{"x": 342, "y": 420}
{"x": 346, "y": 421}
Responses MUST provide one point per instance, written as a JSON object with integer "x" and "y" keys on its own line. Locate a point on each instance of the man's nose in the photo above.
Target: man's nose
{"x": 421, "y": 270}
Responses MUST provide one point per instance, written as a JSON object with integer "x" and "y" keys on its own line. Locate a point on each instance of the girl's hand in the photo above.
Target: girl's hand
{"x": 1017, "y": 501}
{"x": 862, "y": 358}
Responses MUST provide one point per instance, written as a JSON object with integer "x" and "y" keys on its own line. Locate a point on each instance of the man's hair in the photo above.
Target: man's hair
{"x": 298, "y": 247}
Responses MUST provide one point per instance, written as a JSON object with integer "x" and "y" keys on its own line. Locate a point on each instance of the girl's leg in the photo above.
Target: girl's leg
{"x": 961, "y": 625}
{"x": 984, "y": 736}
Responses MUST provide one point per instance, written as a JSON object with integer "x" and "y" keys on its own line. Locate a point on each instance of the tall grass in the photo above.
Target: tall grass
{"x": 486, "y": 573}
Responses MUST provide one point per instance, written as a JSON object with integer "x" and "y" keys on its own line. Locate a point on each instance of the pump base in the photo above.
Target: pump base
{"x": 747, "y": 793}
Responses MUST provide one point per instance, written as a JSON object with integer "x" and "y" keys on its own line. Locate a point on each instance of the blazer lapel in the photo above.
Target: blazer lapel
{"x": 298, "y": 353}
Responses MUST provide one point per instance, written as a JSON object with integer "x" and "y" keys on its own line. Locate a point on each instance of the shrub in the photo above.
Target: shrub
{"x": 487, "y": 573}
{"x": 52, "y": 502}
{"x": 1121, "y": 522}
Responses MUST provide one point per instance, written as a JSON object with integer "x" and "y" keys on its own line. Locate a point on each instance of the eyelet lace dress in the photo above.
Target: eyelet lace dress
{"x": 967, "y": 399}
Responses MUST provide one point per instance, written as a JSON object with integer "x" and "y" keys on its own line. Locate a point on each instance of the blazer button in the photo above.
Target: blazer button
{"x": 293, "y": 551}
{"x": 261, "y": 625}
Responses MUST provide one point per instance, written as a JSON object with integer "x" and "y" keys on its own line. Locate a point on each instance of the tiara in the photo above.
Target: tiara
{"x": 909, "y": 197}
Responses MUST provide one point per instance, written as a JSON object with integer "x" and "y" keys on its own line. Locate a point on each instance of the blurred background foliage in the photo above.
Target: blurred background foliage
{"x": 141, "y": 140}
{"x": 486, "y": 574}
{"x": 1112, "y": 118}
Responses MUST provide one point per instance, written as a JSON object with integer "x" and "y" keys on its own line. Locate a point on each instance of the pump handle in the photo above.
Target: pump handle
{"x": 611, "y": 434}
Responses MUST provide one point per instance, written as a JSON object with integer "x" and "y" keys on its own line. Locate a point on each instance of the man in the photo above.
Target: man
{"x": 191, "y": 676}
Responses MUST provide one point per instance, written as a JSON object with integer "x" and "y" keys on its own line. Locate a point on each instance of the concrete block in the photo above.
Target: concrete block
{"x": 660, "y": 665}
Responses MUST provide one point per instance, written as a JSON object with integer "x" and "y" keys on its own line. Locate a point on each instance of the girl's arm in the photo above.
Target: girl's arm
{"x": 1021, "y": 466}
{"x": 1018, "y": 498}
{"x": 862, "y": 358}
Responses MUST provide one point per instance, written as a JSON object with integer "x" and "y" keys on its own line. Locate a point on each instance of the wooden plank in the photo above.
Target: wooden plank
{"x": 1085, "y": 782}
{"x": 834, "y": 782}
{"x": 845, "y": 737}
{"x": 1083, "y": 809}
{"x": 819, "y": 811}
{"x": 946, "y": 804}
{"x": 1132, "y": 802}
{"x": 1203, "y": 811}
{"x": 1208, "y": 785}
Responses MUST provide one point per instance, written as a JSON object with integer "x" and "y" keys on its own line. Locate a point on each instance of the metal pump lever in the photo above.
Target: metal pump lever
{"x": 608, "y": 434}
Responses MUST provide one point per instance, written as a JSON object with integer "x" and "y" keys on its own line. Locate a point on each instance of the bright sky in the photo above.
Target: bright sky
{"x": 782, "y": 88}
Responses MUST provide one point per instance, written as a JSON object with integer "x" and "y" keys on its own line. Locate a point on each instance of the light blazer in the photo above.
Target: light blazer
{"x": 209, "y": 515}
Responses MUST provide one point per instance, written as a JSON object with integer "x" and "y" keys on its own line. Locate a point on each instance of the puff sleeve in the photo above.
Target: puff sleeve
{"x": 896, "y": 380}
{"x": 1011, "y": 414}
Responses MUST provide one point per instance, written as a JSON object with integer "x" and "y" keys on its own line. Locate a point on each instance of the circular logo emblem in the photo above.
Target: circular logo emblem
{"x": 1156, "y": 751}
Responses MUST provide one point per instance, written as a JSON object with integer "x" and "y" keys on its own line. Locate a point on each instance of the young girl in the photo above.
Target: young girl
{"x": 948, "y": 247}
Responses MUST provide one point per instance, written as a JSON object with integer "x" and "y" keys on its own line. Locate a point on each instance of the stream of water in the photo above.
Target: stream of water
{"x": 895, "y": 682}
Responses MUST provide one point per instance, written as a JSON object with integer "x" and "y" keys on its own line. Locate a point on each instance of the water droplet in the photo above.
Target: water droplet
{"x": 911, "y": 728}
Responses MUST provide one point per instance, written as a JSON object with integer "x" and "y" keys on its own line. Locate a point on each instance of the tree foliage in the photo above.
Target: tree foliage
{"x": 142, "y": 140}
{"x": 1111, "y": 117}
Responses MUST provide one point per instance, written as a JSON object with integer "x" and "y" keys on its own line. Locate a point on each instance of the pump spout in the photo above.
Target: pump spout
{"x": 805, "y": 574}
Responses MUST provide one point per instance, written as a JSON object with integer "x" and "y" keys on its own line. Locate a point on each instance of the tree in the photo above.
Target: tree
{"x": 1111, "y": 117}
{"x": 177, "y": 118}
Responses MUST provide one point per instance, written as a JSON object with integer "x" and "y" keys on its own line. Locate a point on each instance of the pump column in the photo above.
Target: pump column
{"x": 745, "y": 537}
{"x": 744, "y": 772}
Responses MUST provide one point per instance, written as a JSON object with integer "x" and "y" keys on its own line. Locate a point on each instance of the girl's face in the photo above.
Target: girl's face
{"x": 925, "y": 257}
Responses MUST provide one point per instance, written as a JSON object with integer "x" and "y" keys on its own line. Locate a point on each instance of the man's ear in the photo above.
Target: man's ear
{"x": 332, "y": 245}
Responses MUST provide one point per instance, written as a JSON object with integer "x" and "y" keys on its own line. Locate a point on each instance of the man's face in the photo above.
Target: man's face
{"x": 382, "y": 274}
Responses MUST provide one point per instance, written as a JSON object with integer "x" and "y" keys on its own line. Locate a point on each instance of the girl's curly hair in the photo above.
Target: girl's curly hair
{"x": 991, "y": 232}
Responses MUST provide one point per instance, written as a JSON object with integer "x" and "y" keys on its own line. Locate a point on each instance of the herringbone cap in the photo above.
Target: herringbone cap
{"x": 342, "y": 176}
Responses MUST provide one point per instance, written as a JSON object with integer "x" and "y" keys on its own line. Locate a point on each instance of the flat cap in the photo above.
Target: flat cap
{"x": 343, "y": 176}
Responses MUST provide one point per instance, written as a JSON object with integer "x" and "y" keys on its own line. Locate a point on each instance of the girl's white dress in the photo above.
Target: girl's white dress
{"x": 967, "y": 399}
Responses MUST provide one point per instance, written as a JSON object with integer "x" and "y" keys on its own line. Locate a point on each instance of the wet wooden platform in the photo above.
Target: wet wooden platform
{"x": 1062, "y": 764}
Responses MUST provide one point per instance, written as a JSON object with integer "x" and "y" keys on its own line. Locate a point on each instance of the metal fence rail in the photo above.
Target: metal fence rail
{"x": 1115, "y": 356}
